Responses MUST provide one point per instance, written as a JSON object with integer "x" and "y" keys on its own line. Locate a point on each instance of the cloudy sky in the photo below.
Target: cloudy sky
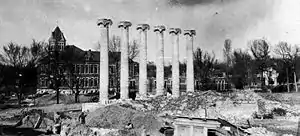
{"x": 214, "y": 20}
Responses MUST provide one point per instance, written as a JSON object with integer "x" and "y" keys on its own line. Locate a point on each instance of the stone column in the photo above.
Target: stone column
{"x": 205, "y": 131}
{"x": 124, "y": 81}
{"x": 191, "y": 130}
{"x": 190, "y": 60}
{"x": 175, "y": 60}
{"x": 176, "y": 130}
{"x": 142, "y": 28}
{"x": 160, "y": 59}
{"x": 103, "y": 43}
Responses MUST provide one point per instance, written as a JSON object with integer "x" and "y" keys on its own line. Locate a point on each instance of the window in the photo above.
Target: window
{"x": 95, "y": 69}
{"x": 182, "y": 80}
{"x": 112, "y": 69}
{"x": 91, "y": 82}
{"x": 132, "y": 85}
{"x": 81, "y": 82}
{"x": 95, "y": 81}
{"x": 77, "y": 68}
{"x": 82, "y": 69}
{"x": 111, "y": 83}
{"x": 91, "y": 68}
{"x": 42, "y": 82}
{"x": 86, "y": 68}
{"x": 85, "y": 82}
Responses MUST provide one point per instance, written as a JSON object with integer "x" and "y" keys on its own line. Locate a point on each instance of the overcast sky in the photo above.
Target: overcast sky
{"x": 213, "y": 20}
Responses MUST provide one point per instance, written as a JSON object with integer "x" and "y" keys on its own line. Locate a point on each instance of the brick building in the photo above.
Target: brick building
{"x": 85, "y": 65}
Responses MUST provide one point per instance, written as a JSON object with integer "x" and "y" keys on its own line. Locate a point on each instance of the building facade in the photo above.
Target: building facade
{"x": 85, "y": 68}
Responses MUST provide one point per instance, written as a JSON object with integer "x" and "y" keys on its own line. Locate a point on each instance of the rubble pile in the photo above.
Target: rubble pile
{"x": 117, "y": 117}
{"x": 186, "y": 103}
{"x": 79, "y": 130}
{"x": 260, "y": 131}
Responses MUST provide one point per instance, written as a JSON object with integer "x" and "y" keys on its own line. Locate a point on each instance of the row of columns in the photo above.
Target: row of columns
{"x": 142, "y": 29}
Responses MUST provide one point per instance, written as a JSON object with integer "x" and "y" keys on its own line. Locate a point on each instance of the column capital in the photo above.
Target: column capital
{"x": 143, "y": 27}
{"x": 189, "y": 32}
{"x": 159, "y": 28}
{"x": 104, "y": 21}
{"x": 124, "y": 24}
{"x": 175, "y": 31}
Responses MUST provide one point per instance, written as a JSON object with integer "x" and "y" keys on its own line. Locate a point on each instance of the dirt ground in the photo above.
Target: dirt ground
{"x": 12, "y": 131}
{"x": 145, "y": 112}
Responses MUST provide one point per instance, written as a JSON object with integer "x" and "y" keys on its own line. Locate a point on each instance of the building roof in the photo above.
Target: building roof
{"x": 75, "y": 54}
{"x": 57, "y": 35}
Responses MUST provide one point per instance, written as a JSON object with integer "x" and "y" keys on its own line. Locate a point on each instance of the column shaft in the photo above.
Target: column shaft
{"x": 104, "y": 42}
{"x": 124, "y": 63}
{"x": 143, "y": 64}
{"x": 190, "y": 64}
{"x": 175, "y": 65}
{"x": 160, "y": 64}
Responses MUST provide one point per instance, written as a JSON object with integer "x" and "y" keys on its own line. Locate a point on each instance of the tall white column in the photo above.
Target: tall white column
{"x": 103, "y": 43}
{"x": 175, "y": 60}
{"x": 159, "y": 30}
{"x": 124, "y": 25}
{"x": 142, "y": 28}
{"x": 190, "y": 59}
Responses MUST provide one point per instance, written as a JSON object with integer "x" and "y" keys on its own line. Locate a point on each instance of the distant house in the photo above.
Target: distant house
{"x": 269, "y": 78}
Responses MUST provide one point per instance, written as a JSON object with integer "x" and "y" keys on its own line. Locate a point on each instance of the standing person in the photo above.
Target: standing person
{"x": 57, "y": 118}
{"x": 81, "y": 118}
{"x": 57, "y": 123}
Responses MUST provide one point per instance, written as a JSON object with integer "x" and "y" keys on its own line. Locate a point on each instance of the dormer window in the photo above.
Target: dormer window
{"x": 88, "y": 55}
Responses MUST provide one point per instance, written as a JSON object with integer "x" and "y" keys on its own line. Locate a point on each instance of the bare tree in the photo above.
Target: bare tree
{"x": 227, "y": 52}
{"x": 115, "y": 45}
{"x": 204, "y": 67}
{"x": 72, "y": 77}
{"x": 15, "y": 55}
{"x": 38, "y": 51}
{"x": 289, "y": 55}
{"x": 260, "y": 49}
{"x": 242, "y": 68}
{"x": 133, "y": 50}
{"x": 18, "y": 59}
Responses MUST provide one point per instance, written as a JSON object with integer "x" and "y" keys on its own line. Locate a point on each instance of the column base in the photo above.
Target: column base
{"x": 141, "y": 97}
{"x": 104, "y": 102}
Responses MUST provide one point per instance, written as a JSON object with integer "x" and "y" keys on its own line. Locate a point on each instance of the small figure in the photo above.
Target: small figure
{"x": 57, "y": 123}
{"x": 129, "y": 126}
{"x": 81, "y": 118}
{"x": 57, "y": 118}
{"x": 49, "y": 130}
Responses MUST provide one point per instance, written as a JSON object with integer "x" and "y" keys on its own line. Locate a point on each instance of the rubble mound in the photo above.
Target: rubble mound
{"x": 188, "y": 104}
{"x": 117, "y": 117}
{"x": 80, "y": 130}
{"x": 260, "y": 131}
